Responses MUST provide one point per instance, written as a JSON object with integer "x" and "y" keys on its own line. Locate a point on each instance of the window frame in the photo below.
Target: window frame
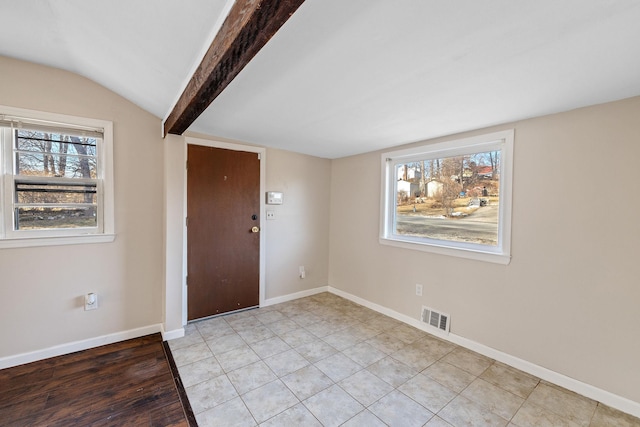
{"x": 105, "y": 230}
{"x": 501, "y": 253}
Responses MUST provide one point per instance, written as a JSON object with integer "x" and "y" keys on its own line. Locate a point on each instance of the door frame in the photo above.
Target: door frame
{"x": 262, "y": 152}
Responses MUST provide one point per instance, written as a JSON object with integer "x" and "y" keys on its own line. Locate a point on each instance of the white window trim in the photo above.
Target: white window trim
{"x": 57, "y": 237}
{"x": 500, "y": 254}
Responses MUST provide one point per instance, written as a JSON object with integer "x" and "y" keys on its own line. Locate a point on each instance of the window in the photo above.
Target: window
{"x": 452, "y": 197}
{"x": 56, "y": 179}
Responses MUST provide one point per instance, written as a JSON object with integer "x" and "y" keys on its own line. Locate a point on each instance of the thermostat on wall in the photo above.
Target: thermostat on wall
{"x": 274, "y": 197}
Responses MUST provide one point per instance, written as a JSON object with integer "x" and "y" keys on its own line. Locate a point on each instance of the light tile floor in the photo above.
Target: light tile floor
{"x": 325, "y": 361}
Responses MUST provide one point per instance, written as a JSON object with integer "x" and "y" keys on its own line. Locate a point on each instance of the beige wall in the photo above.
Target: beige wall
{"x": 569, "y": 299}
{"x": 174, "y": 296}
{"x": 41, "y": 289}
{"x": 299, "y": 235}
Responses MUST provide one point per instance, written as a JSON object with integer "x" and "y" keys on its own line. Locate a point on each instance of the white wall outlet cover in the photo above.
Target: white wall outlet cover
{"x": 91, "y": 301}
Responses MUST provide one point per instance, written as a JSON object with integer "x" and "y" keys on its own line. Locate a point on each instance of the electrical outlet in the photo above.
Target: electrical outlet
{"x": 301, "y": 272}
{"x": 90, "y": 301}
{"x": 271, "y": 215}
{"x": 419, "y": 290}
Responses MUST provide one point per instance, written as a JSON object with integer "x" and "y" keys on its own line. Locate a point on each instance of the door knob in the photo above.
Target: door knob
{"x": 255, "y": 229}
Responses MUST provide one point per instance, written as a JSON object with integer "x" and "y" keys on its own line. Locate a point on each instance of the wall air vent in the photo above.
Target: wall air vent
{"x": 435, "y": 319}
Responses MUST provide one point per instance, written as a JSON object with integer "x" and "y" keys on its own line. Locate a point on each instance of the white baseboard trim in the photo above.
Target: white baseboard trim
{"x": 71, "y": 347}
{"x": 296, "y": 295}
{"x": 618, "y": 402}
{"x": 170, "y": 335}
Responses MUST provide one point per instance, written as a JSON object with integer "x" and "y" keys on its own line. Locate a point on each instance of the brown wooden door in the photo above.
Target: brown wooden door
{"x": 223, "y": 206}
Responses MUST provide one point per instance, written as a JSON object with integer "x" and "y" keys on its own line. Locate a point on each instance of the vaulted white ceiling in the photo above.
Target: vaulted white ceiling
{"x": 347, "y": 76}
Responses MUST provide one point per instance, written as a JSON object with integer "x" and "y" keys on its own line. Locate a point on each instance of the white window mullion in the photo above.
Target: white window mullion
{"x": 6, "y": 181}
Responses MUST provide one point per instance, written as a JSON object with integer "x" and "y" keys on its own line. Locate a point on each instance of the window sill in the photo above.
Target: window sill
{"x": 56, "y": 241}
{"x": 494, "y": 257}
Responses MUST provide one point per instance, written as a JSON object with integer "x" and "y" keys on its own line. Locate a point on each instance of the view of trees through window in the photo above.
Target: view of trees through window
{"x": 450, "y": 198}
{"x": 55, "y": 180}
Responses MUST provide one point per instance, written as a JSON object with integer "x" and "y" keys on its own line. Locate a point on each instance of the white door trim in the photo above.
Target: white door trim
{"x": 262, "y": 152}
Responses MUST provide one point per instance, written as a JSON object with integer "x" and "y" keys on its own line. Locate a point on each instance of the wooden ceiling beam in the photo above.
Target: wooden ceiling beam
{"x": 248, "y": 27}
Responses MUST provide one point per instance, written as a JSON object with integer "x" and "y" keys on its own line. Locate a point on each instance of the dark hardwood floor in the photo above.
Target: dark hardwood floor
{"x": 128, "y": 383}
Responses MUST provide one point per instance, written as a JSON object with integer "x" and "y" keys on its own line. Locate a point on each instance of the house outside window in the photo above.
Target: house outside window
{"x": 451, "y": 198}
{"x": 57, "y": 180}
